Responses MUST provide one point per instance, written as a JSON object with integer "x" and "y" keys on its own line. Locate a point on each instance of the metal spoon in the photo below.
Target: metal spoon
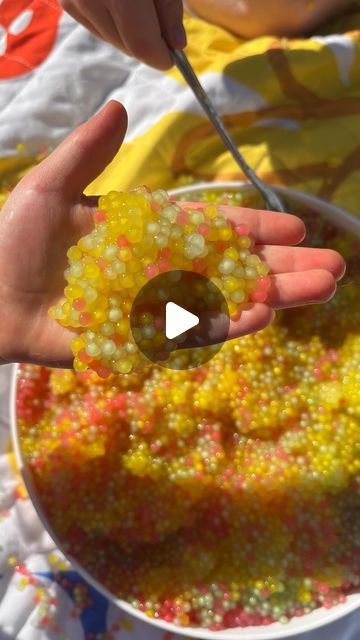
{"x": 272, "y": 200}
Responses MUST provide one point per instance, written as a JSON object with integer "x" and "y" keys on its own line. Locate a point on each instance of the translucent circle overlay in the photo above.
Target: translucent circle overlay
{"x": 197, "y": 295}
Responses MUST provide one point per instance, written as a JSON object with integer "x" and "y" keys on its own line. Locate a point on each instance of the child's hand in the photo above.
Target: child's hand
{"x": 47, "y": 213}
{"x": 141, "y": 28}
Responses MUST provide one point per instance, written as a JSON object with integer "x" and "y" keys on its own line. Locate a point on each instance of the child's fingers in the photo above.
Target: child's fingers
{"x": 83, "y": 154}
{"x": 288, "y": 259}
{"x": 303, "y": 287}
{"x": 267, "y": 227}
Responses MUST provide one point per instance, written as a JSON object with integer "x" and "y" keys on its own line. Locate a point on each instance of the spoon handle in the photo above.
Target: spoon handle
{"x": 272, "y": 200}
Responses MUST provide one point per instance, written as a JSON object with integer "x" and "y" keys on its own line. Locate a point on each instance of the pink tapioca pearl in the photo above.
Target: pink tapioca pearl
{"x": 101, "y": 263}
{"x": 84, "y": 357}
{"x": 242, "y": 229}
{"x": 102, "y": 372}
{"x": 199, "y": 265}
{"x": 123, "y": 242}
{"x": 159, "y": 323}
{"x": 259, "y": 296}
{"x": 342, "y": 599}
{"x": 79, "y": 304}
{"x": 151, "y": 270}
{"x": 100, "y": 216}
{"x": 324, "y": 588}
{"x": 85, "y": 319}
{"x": 164, "y": 265}
{"x": 204, "y": 229}
{"x": 182, "y": 218}
{"x": 165, "y": 253}
{"x": 264, "y": 283}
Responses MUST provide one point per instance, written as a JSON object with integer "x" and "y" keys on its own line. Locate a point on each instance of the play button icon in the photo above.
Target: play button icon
{"x": 179, "y": 319}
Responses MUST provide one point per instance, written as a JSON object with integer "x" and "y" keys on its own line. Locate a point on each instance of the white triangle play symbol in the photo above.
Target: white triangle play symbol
{"x": 178, "y": 320}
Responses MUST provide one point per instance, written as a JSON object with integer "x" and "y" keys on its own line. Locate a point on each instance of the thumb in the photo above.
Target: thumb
{"x": 83, "y": 155}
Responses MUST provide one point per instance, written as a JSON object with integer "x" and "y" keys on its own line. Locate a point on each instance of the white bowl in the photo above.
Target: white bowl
{"x": 275, "y": 631}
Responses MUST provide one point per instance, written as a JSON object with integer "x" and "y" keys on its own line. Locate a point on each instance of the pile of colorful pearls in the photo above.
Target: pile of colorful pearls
{"x": 136, "y": 237}
{"x": 218, "y": 497}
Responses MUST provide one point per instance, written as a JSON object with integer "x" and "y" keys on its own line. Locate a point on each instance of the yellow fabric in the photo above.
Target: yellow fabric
{"x": 301, "y": 83}
{"x": 300, "y": 80}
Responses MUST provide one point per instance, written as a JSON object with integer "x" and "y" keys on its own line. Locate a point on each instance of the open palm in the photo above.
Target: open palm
{"x": 47, "y": 213}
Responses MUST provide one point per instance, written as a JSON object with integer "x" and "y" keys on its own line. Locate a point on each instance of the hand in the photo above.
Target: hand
{"x": 47, "y": 213}
{"x": 143, "y": 29}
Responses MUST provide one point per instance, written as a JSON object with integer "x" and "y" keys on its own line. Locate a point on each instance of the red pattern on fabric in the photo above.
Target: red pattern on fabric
{"x": 30, "y": 29}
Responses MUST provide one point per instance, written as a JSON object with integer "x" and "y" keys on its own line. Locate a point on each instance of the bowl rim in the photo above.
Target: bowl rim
{"x": 333, "y": 213}
{"x": 275, "y": 631}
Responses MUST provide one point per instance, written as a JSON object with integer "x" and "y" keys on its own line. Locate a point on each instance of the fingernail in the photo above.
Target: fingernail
{"x": 179, "y": 36}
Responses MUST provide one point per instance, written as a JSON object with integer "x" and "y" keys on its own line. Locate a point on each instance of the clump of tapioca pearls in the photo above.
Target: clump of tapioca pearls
{"x": 136, "y": 237}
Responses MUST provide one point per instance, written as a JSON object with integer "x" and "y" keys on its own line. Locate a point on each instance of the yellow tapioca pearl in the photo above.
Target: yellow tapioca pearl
{"x": 232, "y": 253}
{"x": 91, "y": 270}
{"x": 79, "y": 365}
{"x": 78, "y": 343}
{"x": 121, "y": 326}
{"x": 262, "y": 269}
{"x": 126, "y": 280}
{"x": 125, "y": 254}
{"x": 74, "y": 253}
{"x": 135, "y": 234}
{"x": 74, "y": 291}
{"x": 99, "y": 315}
{"x": 211, "y": 211}
{"x": 231, "y": 283}
{"x": 225, "y": 233}
{"x": 244, "y": 242}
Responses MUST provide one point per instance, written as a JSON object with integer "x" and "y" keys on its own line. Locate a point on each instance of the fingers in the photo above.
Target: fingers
{"x": 253, "y": 317}
{"x": 144, "y": 29}
{"x": 138, "y": 25}
{"x": 74, "y": 12}
{"x": 84, "y": 153}
{"x": 170, "y": 14}
{"x": 303, "y": 287}
{"x": 287, "y": 290}
{"x": 96, "y": 18}
{"x": 266, "y": 227}
{"x": 216, "y": 328}
{"x": 289, "y": 259}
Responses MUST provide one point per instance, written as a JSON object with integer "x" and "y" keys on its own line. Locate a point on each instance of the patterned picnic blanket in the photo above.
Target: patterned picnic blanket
{"x": 293, "y": 107}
